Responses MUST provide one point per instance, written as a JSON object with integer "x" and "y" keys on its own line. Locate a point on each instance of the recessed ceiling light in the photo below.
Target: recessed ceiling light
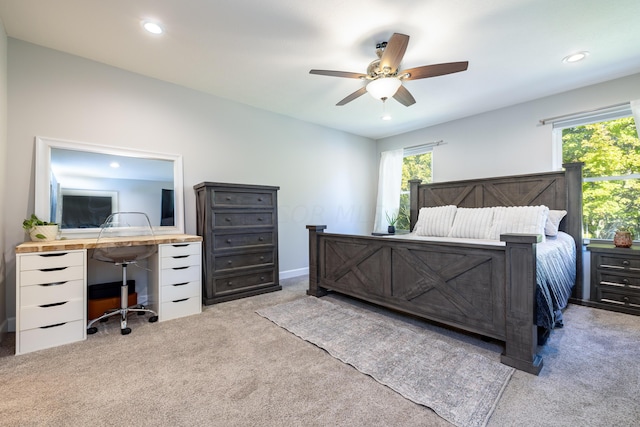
{"x": 386, "y": 117}
{"x": 575, "y": 57}
{"x": 152, "y": 27}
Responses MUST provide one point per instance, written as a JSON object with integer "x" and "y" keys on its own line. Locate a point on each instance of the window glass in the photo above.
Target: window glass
{"x": 610, "y": 151}
{"x": 416, "y": 166}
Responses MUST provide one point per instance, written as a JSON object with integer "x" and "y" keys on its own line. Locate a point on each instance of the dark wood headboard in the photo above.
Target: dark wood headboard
{"x": 557, "y": 190}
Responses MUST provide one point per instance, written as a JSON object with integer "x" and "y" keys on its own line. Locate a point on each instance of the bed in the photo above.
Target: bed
{"x": 497, "y": 288}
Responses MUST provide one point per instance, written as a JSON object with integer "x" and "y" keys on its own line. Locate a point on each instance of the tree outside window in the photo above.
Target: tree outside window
{"x": 413, "y": 167}
{"x": 610, "y": 151}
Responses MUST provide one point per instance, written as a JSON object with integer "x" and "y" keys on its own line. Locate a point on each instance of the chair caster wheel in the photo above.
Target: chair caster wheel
{"x": 153, "y": 319}
{"x": 92, "y": 330}
{"x": 125, "y": 331}
{"x": 104, "y": 320}
{"x": 141, "y": 313}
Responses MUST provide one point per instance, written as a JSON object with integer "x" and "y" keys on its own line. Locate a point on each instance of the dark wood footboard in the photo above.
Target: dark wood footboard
{"x": 484, "y": 289}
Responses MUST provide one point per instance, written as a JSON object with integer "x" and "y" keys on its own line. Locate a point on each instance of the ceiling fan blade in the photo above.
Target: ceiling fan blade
{"x": 353, "y": 96}
{"x": 346, "y": 74}
{"x": 393, "y": 53}
{"x": 404, "y": 97}
{"x": 434, "y": 70}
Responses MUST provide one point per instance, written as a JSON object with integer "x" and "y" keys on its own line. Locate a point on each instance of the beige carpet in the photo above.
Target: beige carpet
{"x": 231, "y": 367}
{"x": 462, "y": 387}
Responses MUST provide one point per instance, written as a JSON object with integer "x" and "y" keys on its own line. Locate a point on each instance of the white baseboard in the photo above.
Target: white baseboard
{"x": 294, "y": 273}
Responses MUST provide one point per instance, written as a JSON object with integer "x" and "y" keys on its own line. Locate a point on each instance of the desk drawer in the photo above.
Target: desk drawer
{"x": 48, "y": 294}
{"x": 171, "y": 276}
{"x": 181, "y": 308}
{"x": 181, "y": 261}
{"x": 51, "y": 260}
{"x": 37, "y": 316}
{"x": 57, "y": 275}
{"x": 41, "y": 338}
{"x": 179, "y": 249}
{"x": 180, "y": 291}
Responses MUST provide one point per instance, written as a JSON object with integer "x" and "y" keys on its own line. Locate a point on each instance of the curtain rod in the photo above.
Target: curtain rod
{"x": 427, "y": 144}
{"x": 564, "y": 116}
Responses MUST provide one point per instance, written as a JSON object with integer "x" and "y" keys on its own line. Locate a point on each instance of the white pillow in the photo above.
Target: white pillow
{"x": 553, "y": 222}
{"x": 472, "y": 223}
{"x": 519, "y": 219}
{"x": 435, "y": 221}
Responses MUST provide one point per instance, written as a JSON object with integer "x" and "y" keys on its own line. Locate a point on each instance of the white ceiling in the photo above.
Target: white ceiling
{"x": 260, "y": 52}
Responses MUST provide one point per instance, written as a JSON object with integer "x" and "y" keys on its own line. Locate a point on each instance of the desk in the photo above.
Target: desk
{"x": 51, "y": 285}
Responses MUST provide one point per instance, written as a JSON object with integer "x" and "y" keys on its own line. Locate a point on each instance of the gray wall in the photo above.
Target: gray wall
{"x": 3, "y": 164}
{"x": 325, "y": 176}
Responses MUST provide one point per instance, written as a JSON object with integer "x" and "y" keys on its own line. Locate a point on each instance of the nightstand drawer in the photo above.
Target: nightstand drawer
{"x": 37, "y": 316}
{"x": 48, "y": 294}
{"x": 51, "y": 260}
{"x": 619, "y": 262}
{"x": 47, "y": 337}
{"x": 180, "y": 291}
{"x": 180, "y": 308}
{"x": 619, "y": 280}
{"x": 620, "y": 297}
{"x": 56, "y": 275}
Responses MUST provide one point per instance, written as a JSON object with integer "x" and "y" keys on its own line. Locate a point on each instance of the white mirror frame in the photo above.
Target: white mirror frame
{"x": 43, "y": 175}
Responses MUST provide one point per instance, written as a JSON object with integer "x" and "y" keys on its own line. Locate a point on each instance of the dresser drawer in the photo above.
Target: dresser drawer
{"x": 234, "y": 283}
{"x": 243, "y": 260}
{"x": 181, "y": 291}
{"x": 181, "y": 308}
{"x": 619, "y": 280}
{"x": 244, "y": 219}
{"x": 230, "y": 241}
{"x": 242, "y": 198}
{"x": 49, "y": 294}
{"x": 36, "y": 316}
{"x": 55, "y": 275}
{"x": 619, "y": 263}
{"x": 172, "y": 276}
{"x": 621, "y": 297}
{"x": 179, "y": 249}
{"x": 181, "y": 261}
{"x": 51, "y": 260}
{"x": 41, "y": 338}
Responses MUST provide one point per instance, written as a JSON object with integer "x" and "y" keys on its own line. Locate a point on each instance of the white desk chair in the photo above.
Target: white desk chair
{"x": 124, "y": 224}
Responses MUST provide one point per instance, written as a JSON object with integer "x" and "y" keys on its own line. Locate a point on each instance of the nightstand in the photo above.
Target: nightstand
{"x": 615, "y": 278}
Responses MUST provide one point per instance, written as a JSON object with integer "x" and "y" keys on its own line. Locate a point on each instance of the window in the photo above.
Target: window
{"x": 416, "y": 164}
{"x": 607, "y": 142}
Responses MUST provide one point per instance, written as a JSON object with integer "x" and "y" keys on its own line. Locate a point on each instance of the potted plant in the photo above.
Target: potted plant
{"x": 391, "y": 220}
{"x": 39, "y": 230}
{"x": 623, "y": 238}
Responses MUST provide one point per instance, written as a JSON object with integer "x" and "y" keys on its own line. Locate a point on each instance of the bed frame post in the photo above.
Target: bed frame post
{"x": 573, "y": 183}
{"x": 413, "y": 202}
{"x": 521, "y": 331}
{"x": 314, "y": 259}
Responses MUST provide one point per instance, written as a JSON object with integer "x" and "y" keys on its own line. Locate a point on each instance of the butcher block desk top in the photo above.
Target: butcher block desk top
{"x": 71, "y": 244}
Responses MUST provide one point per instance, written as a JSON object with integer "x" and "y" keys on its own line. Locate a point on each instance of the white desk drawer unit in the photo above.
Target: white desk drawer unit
{"x": 180, "y": 283}
{"x": 50, "y": 299}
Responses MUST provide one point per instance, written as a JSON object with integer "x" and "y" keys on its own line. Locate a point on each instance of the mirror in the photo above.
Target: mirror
{"x": 78, "y": 185}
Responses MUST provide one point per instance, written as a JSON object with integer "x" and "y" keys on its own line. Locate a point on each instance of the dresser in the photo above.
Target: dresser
{"x": 239, "y": 227}
{"x": 615, "y": 277}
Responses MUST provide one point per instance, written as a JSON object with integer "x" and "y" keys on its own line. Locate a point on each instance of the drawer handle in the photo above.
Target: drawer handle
{"x": 229, "y": 241}
{"x": 261, "y": 258}
{"x": 229, "y": 262}
{"x": 626, "y": 262}
{"x": 52, "y": 255}
{"x": 55, "y": 304}
{"x": 625, "y": 281}
{"x": 228, "y": 219}
{"x": 180, "y": 245}
{"x": 53, "y": 284}
{"x": 53, "y": 269}
{"x": 179, "y": 268}
{"x": 180, "y": 256}
{"x": 259, "y": 199}
{"x": 180, "y": 284}
{"x": 53, "y": 326}
{"x": 626, "y": 300}
{"x": 228, "y": 198}
{"x": 260, "y": 218}
{"x": 262, "y": 278}
{"x": 180, "y": 300}
{"x": 229, "y": 283}
{"x": 261, "y": 239}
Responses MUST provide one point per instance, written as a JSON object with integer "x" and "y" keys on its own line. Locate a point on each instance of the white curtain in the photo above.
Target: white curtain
{"x": 635, "y": 109}
{"x": 389, "y": 181}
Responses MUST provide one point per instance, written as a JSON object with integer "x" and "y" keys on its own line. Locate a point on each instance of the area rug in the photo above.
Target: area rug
{"x": 459, "y": 386}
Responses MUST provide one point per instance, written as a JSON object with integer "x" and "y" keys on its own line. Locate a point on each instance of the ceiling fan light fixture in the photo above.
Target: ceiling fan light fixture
{"x": 383, "y": 87}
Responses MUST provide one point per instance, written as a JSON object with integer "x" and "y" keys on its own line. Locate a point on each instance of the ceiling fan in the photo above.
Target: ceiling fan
{"x": 383, "y": 78}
